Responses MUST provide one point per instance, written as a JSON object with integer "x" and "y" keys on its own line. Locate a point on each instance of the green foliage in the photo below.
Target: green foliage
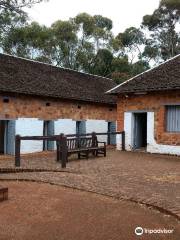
{"x": 123, "y": 70}
{"x": 86, "y": 42}
{"x": 129, "y": 42}
{"x": 64, "y": 43}
{"x": 139, "y": 67}
{"x": 121, "y": 64}
{"x": 12, "y": 19}
{"x": 103, "y": 22}
{"x": 85, "y": 23}
{"x": 171, "y": 4}
{"x": 150, "y": 53}
{"x": 163, "y": 25}
{"x": 8, "y": 22}
{"x": 120, "y": 69}
{"x": 17, "y": 6}
{"x": 131, "y": 36}
{"x": 102, "y": 62}
{"x": 151, "y": 21}
{"x": 29, "y": 41}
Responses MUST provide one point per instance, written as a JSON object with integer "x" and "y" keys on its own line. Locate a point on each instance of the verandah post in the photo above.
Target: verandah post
{"x": 17, "y": 150}
{"x": 109, "y": 138}
{"x": 123, "y": 141}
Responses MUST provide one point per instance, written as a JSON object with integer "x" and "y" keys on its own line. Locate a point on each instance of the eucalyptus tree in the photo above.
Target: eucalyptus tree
{"x": 29, "y": 41}
{"x": 130, "y": 42}
{"x": 102, "y": 63}
{"x": 63, "y": 43}
{"x": 164, "y": 30}
{"x": 12, "y": 16}
{"x": 102, "y": 33}
{"x": 17, "y": 5}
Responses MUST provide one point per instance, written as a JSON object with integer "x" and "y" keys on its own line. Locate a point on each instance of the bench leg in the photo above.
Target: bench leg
{"x": 79, "y": 156}
{"x": 57, "y": 156}
{"x": 60, "y": 156}
{"x": 64, "y": 157}
{"x": 67, "y": 157}
{"x": 87, "y": 154}
{"x": 58, "y": 153}
{"x": 96, "y": 153}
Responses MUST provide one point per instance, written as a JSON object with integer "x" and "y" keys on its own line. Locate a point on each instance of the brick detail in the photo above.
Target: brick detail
{"x": 155, "y": 102}
{"x": 35, "y": 107}
{"x": 3, "y": 194}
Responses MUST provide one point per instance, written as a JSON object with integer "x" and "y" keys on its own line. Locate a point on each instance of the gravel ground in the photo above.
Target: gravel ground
{"x": 146, "y": 178}
{"x": 37, "y": 211}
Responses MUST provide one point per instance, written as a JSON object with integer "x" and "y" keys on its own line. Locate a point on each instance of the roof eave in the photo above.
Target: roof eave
{"x": 60, "y": 98}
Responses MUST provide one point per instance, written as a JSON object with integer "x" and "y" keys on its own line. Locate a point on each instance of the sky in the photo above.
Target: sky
{"x": 123, "y": 13}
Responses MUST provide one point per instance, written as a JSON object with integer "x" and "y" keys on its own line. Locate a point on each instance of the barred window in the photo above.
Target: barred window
{"x": 173, "y": 118}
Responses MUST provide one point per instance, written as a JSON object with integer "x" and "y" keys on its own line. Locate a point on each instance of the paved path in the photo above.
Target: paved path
{"x": 140, "y": 177}
{"x": 45, "y": 212}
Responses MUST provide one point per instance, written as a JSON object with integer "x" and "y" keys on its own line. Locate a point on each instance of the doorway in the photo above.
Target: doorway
{"x": 2, "y": 137}
{"x": 7, "y": 136}
{"x": 111, "y": 139}
{"x": 140, "y": 130}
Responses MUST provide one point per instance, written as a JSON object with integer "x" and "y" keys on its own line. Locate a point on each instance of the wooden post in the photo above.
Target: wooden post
{"x": 17, "y": 150}
{"x": 64, "y": 151}
{"x": 94, "y": 143}
{"x": 58, "y": 150}
{"x": 109, "y": 138}
{"x": 58, "y": 144}
{"x": 123, "y": 141}
{"x": 94, "y": 139}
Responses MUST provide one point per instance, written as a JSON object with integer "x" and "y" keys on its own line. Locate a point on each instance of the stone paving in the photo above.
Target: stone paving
{"x": 151, "y": 179}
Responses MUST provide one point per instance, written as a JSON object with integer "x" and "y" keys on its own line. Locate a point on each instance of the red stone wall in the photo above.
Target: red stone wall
{"x": 34, "y": 107}
{"x": 3, "y": 193}
{"x": 155, "y": 102}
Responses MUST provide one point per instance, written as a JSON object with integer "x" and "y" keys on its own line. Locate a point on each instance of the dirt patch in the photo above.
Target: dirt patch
{"x": 167, "y": 178}
{"x": 37, "y": 211}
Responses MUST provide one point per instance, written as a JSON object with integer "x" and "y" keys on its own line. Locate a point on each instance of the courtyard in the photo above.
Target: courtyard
{"x": 149, "y": 179}
{"x": 48, "y": 212}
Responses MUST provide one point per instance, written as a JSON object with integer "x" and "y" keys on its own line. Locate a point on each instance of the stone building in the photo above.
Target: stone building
{"x": 148, "y": 109}
{"x": 40, "y": 99}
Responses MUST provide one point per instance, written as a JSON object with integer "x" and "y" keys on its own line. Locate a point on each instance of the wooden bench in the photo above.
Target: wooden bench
{"x": 57, "y": 139}
{"x": 85, "y": 145}
{"x": 82, "y": 146}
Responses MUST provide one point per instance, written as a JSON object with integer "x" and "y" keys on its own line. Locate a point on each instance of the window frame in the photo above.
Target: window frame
{"x": 166, "y": 118}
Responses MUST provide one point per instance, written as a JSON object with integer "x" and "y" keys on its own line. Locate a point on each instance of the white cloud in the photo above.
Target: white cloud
{"x": 124, "y": 13}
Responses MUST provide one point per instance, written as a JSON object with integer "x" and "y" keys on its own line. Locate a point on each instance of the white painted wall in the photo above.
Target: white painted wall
{"x": 34, "y": 127}
{"x": 97, "y": 126}
{"x": 128, "y": 128}
{"x": 30, "y": 127}
{"x": 152, "y": 145}
{"x": 119, "y": 142}
{"x": 66, "y": 126}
